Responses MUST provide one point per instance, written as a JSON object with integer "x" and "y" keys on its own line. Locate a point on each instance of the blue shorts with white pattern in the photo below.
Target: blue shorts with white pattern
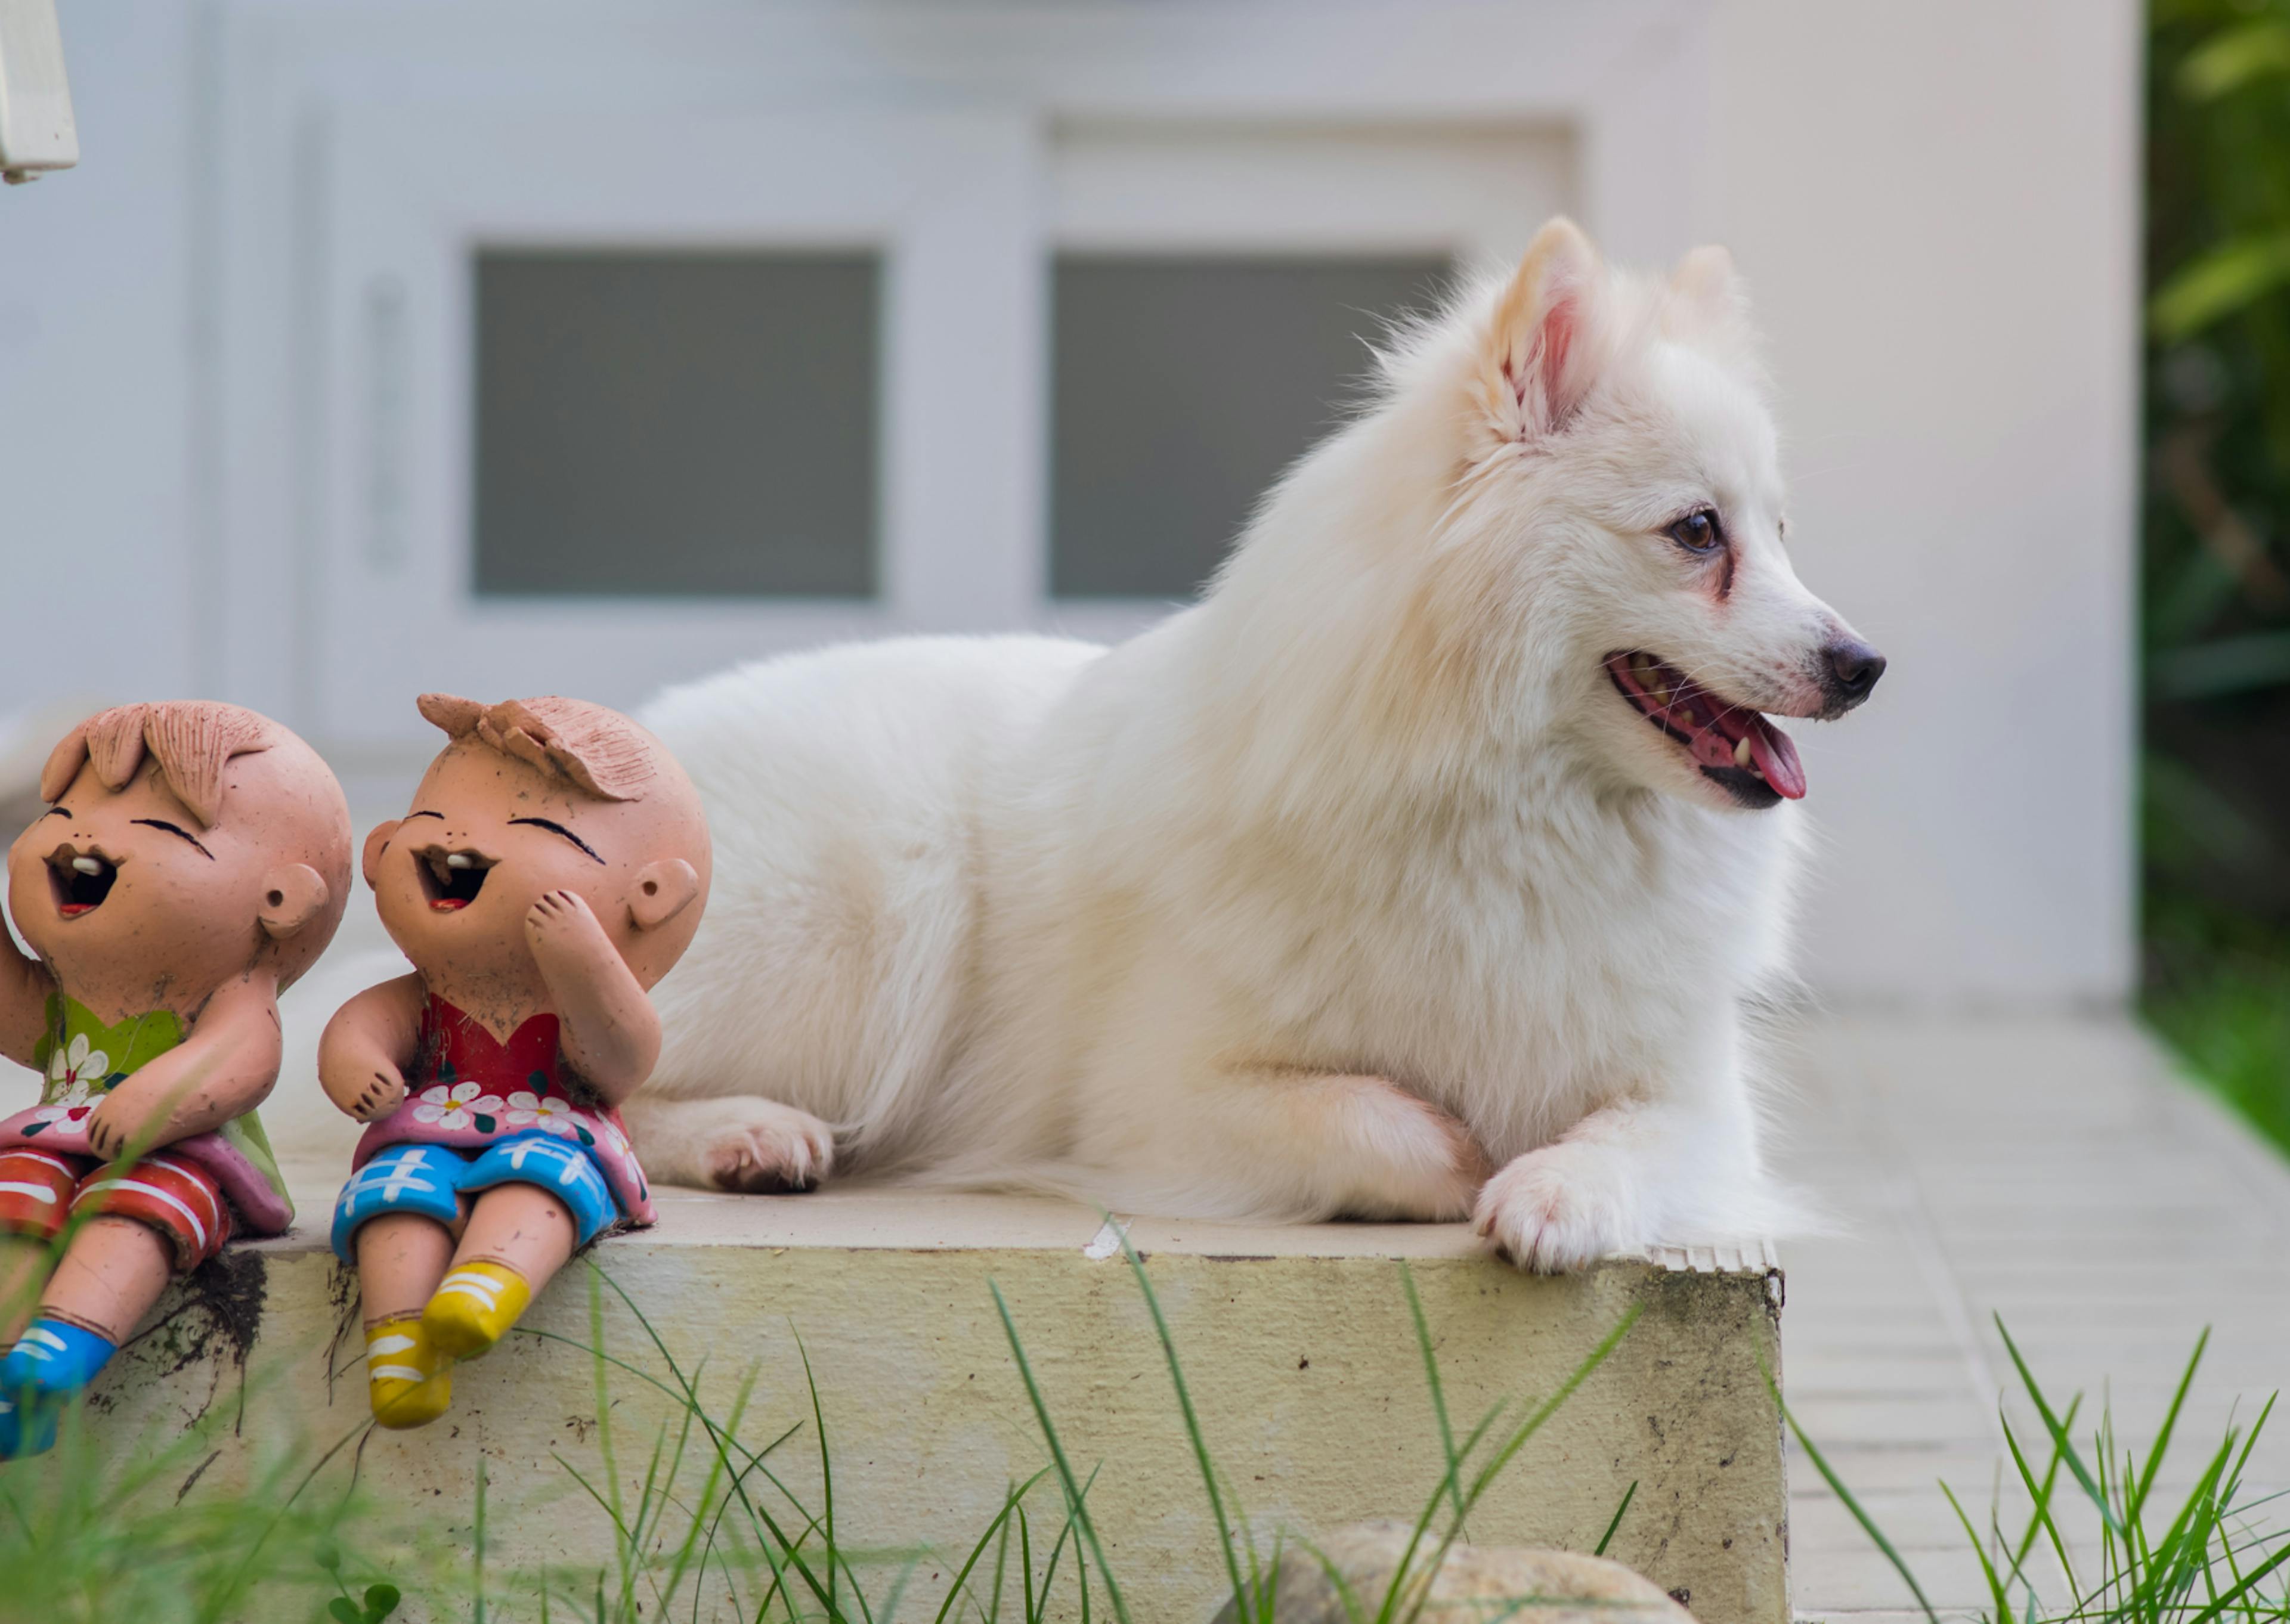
{"x": 429, "y": 1179}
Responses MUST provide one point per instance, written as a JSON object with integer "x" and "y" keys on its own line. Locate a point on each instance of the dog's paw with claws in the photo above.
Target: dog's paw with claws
{"x": 1559, "y": 1208}
{"x": 769, "y": 1149}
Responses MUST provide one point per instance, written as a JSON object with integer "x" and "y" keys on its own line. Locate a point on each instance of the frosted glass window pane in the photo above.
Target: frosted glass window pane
{"x": 675, "y": 424}
{"x": 1183, "y": 386}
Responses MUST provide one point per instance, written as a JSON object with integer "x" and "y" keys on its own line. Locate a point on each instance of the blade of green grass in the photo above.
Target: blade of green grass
{"x": 826, "y": 1470}
{"x": 2060, "y": 1439}
{"x": 1616, "y": 1521}
{"x": 1241, "y": 1591}
{"x": 2170, "y": 1421}
{"x": 2243, "y": 1588}
{"x": 1987, "y": 1568}
{"x": 2040, "y": 1516}
{"x": 1076, "y": 1509}
{"x": 1000, "y": 1523}
{"x": 1432, "y": 1380}
{"x": 1511, "y": 1447}
{"x": 1851, "y": 1503}
{"x": 685, "y": 1393}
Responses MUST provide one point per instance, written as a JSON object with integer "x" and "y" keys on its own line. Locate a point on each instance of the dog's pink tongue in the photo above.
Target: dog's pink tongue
{"x": 1776, "y": 758}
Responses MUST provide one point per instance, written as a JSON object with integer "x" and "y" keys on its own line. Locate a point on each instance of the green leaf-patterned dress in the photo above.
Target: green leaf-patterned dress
{"x": 81, "y": 1060}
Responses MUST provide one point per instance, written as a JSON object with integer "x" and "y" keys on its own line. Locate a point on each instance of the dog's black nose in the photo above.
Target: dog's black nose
{"x": 1854, "y": 668}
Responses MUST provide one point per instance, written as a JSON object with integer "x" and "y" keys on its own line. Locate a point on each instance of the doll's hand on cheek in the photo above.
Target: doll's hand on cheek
{"x": 557, "y": 913}
{"x": 564, "y": 934}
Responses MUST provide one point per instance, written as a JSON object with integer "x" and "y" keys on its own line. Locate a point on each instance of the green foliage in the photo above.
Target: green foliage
{"x": 2215, "y": 582}
{"x": 94, "y": 1533}
{"x": 378, "y": 1604}
{"x": 2144, "y": 1562}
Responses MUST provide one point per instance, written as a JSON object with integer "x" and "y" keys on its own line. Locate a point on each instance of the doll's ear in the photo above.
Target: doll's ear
{"x": 292, "y": 897}
{"x": 663, "y": 890}
{"x": 372, "y": 860}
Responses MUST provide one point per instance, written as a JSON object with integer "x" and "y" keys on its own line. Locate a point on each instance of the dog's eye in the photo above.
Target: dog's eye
{"x": 1698, "y": 531}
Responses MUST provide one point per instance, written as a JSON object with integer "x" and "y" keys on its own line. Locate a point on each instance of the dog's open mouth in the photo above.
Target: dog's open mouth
{"x": 79, "y": 880}
{"x": 451, "y": 880}
{"x": 1735, "y": 746}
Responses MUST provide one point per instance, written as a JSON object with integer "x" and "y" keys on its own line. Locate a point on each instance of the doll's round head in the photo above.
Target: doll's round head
{"x": 531, "y": 796}
{"x": 186, "y": 843}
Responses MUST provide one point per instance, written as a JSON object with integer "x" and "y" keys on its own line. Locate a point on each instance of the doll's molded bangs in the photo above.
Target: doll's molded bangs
{"x": 192, "y": 741}
{"x": 600, "y": 751}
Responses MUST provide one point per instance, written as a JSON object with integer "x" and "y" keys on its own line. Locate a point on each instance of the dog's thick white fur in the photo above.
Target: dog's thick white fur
{"x": 1357, "y": 888}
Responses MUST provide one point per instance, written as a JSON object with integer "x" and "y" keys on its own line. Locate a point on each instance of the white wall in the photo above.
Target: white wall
{"x": 1936, "y": 202}
{"x": 96, "y": 528}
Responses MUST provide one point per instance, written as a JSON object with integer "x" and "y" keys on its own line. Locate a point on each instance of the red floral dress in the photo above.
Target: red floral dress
{"x": 468, "y": 1091}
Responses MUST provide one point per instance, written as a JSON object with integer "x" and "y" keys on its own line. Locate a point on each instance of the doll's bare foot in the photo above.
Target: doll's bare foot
{"x": 756, "y": 1147}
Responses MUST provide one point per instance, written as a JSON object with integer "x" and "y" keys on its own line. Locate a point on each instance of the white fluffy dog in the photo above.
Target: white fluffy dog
{"x": 1422, "y": 870}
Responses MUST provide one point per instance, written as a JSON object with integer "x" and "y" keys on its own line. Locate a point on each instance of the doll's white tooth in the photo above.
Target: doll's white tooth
{"x": 87, "y": 864}
{"x": 457, "y": 859}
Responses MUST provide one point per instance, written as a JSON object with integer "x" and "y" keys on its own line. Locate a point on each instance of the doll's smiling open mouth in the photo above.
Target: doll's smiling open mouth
{"x": 451, "y": 880}
{"x": 79, "y": 880}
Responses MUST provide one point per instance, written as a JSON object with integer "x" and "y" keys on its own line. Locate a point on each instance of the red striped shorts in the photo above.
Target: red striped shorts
{"x": 40, "y": 1190}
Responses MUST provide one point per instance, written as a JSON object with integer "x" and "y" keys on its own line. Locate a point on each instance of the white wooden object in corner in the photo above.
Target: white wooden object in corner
{"x": 36, "y": 132}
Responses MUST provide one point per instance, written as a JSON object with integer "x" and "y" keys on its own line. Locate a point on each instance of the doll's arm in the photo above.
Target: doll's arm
{"x": 25, "y": 986}
{"x": 606, "y": 1025}
{"x": 367, "y": 1046}
{"x": 223, "y": 1069}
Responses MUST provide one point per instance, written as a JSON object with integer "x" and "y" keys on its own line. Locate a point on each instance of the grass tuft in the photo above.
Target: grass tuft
{"x": 2206, "y": 1561}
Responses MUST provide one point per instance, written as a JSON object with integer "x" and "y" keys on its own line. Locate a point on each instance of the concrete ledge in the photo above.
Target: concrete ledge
{"x": 1297, "y": 1343}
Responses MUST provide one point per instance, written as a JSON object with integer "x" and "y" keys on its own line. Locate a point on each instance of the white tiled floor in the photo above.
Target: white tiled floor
{"x": 2049, "y": 1171}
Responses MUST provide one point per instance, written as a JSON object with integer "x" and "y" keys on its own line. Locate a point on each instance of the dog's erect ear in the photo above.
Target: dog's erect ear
{"x": 1708, "y": 286}
{"x": 370, "y": 861}
{"x": 1539, "y": 363}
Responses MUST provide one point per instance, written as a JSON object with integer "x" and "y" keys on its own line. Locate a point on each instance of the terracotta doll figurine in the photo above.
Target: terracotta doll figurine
{"x": 195, "y": 862}
{"x": 552, "y": 869}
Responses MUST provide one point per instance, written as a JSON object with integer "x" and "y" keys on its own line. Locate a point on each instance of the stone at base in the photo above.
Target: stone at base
{"x": 1544, "y": 1587}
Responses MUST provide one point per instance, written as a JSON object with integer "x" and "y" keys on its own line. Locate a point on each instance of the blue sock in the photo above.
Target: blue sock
{"x": 52, "y": 1361}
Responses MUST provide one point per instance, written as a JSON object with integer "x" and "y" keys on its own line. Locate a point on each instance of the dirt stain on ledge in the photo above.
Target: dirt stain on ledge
{"x": 211, "y": 1318}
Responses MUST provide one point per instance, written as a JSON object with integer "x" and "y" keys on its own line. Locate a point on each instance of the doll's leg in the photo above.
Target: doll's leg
{"x": 401, "y": 1257}
{"x": 111, "y": 1273}
{"x": 539, "y": 1198}
{"x": 519, "y": 1235}
{"x": 397, "y": 1219}
{"x": 138, "y": 1224}
{"x": 109, "y": 1276}
{"x": 36, "y": 1192}
{"x": 24, "y": 1260}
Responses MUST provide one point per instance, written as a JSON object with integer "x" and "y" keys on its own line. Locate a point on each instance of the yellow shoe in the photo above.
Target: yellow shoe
{"x": 408, "y": 1380}
{"x": 474, "y": 1307}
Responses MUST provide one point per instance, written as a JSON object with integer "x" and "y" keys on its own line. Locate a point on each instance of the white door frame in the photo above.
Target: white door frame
{"x": 365, "y": 145}
{"x": 418, "y": 187}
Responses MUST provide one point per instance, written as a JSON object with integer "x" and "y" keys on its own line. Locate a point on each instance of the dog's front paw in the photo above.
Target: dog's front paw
{"x": 767, "y": 1148}
{"x": 1559, "y": 1208}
